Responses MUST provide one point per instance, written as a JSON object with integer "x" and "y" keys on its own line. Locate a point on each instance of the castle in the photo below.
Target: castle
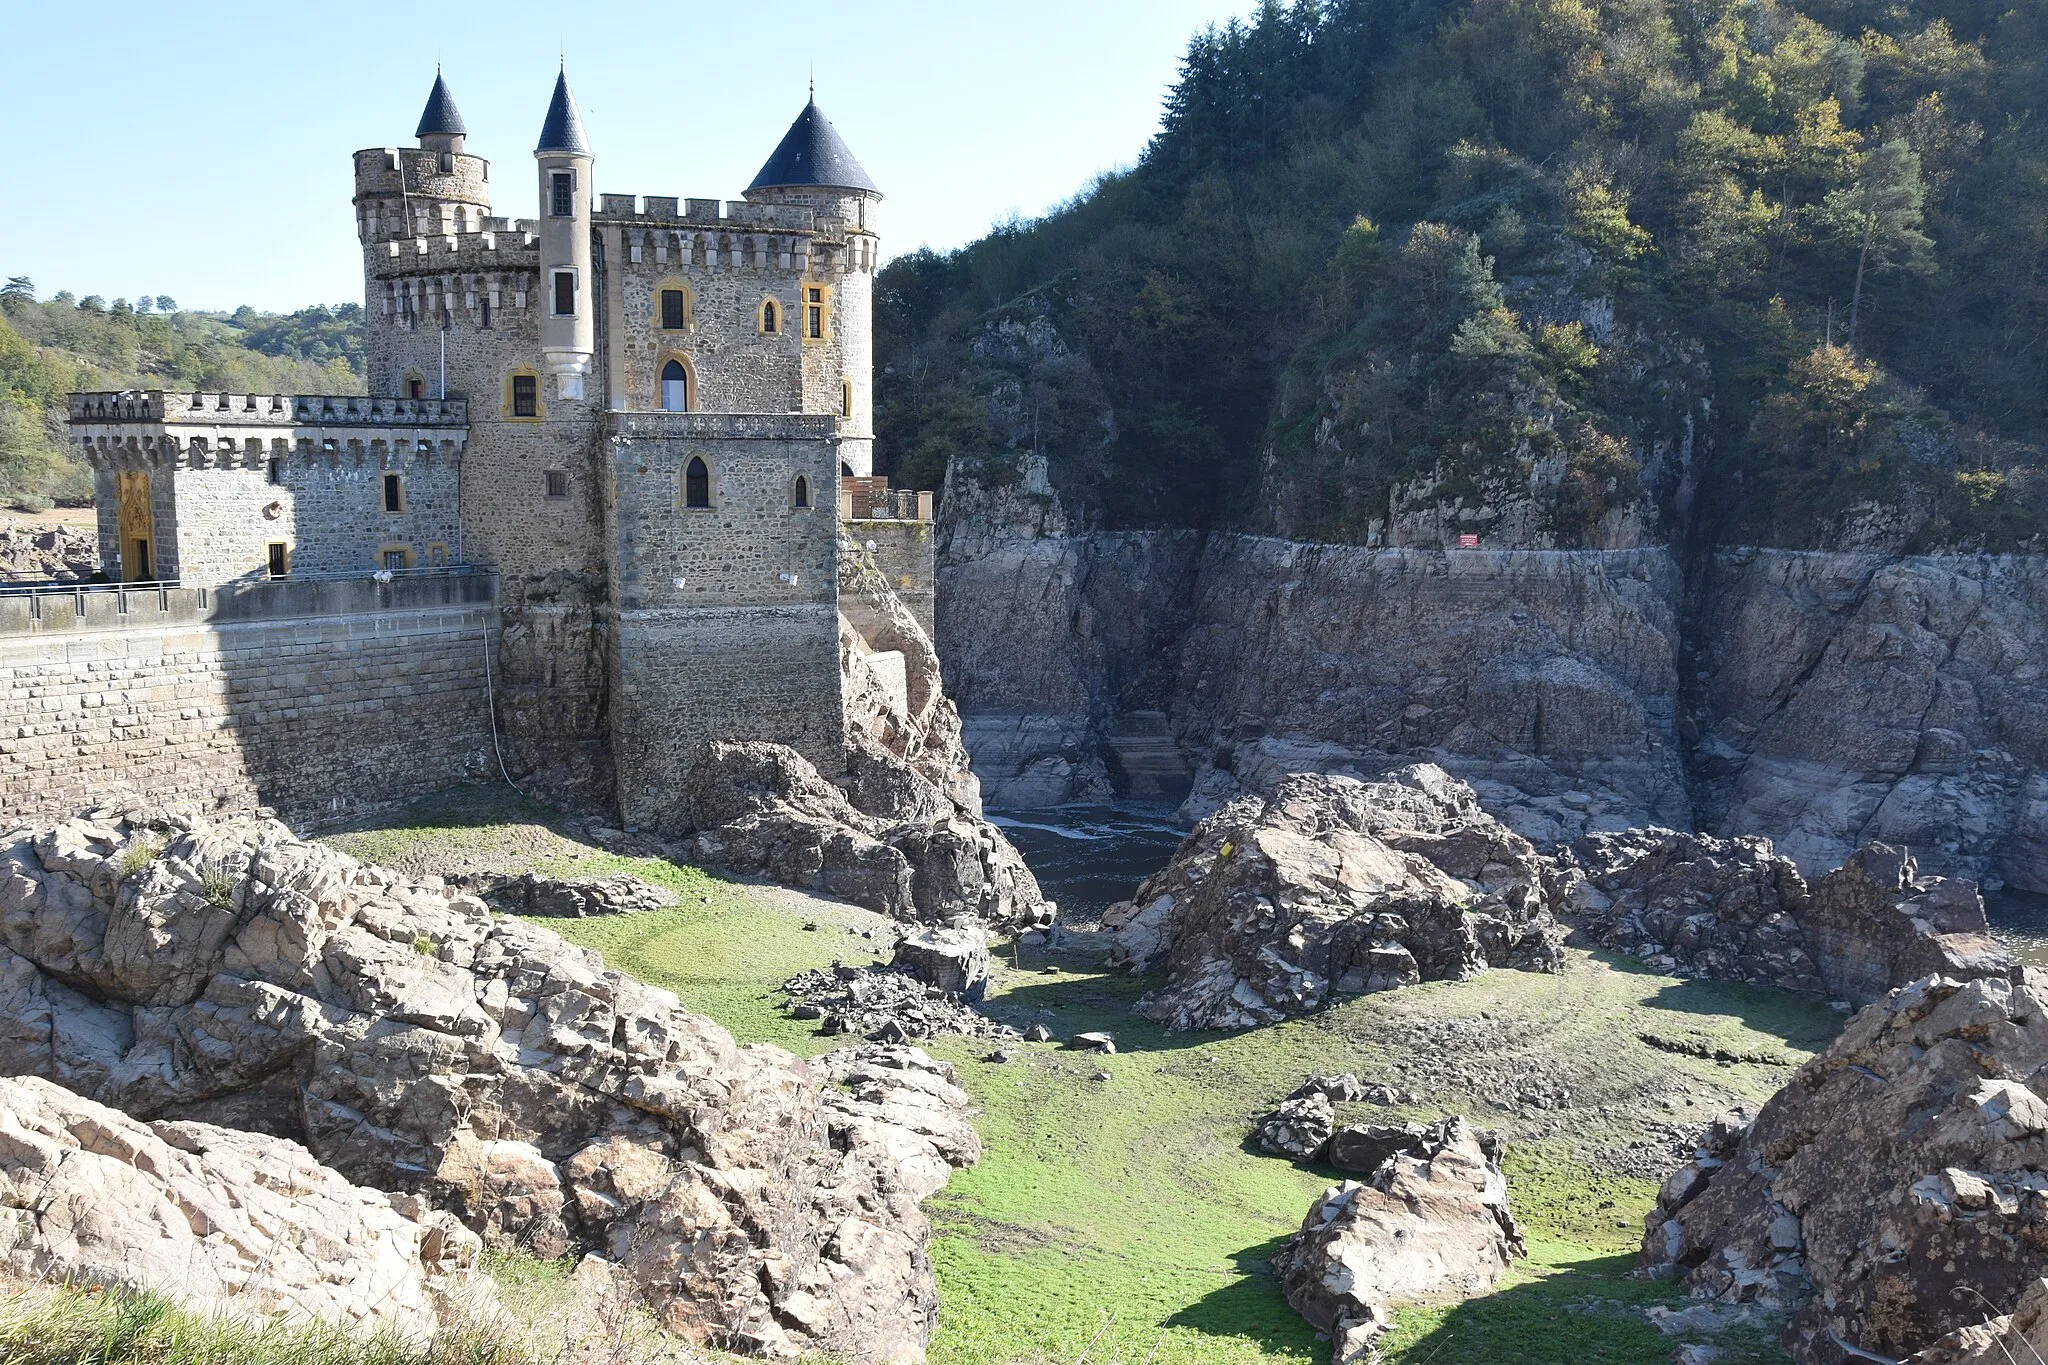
{"x": 648, "y": 418}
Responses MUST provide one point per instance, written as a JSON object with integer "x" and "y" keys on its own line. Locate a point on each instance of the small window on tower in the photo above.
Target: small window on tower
{"x": 562, "y": 194}
{"x": 279, "y": 559}
{"x": 697, "y": 483}
{"x": 558, "y": 483}
{"x": 394, "y": 493}
{"x": 771, "y": 321}
{"x": 814, "y": 314}
{"x": 484, "y": 320}
{"x": 525, "y": 396}
{"x": 846, "y": 398}
{"x": 277, "y": 469}
{"x": 673, "y": 316}
{"x": 415, "y": 388}
{"x": 565, "y": 293}
{"x": 803, "y": 492}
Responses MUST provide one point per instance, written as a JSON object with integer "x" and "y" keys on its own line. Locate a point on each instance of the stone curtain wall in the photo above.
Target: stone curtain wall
{"x": 330, "y": 513}
{"x": 902, "y": 550}
{"x": 309, "y": 715}
{"x": 738, "y": 652}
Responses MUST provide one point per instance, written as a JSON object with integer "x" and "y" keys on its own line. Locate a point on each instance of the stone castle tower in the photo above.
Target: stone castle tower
{"x": 647, "y": 416}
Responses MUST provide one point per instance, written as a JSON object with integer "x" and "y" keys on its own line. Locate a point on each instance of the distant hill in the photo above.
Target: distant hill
{"x": 50, "y": 348}
{"x": 1577, "y": 272}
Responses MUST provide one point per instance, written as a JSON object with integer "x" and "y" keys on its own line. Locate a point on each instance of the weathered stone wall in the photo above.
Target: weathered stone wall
{"x": 329, "y": 512}
{"x": 746, "y": 647}
{"x": 903, "y": 552}
{"x": 308, "y": 698}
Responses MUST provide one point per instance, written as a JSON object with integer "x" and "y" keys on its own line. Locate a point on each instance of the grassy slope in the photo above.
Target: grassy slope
{"x": 1129, "y": 1212}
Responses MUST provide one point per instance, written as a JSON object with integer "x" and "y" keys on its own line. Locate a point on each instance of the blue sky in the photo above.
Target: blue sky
{"x": 202, "y": 151}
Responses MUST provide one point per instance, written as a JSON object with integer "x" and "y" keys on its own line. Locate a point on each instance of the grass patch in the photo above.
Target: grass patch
{"x": 1131, "y": 1213}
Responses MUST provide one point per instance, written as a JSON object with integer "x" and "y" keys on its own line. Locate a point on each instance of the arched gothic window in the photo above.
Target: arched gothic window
{"x": 803, "y": 492}
{"x": 771, "y": 321}
{"x": 697, "y": 483}
{"x": 675, "y": 388}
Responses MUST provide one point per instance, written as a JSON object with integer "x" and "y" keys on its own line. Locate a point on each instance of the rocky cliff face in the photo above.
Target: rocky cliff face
{"x": 1822, "y": 700}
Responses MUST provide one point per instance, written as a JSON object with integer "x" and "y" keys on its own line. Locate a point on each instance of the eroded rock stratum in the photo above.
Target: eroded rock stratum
{"x": 228, "y": 973}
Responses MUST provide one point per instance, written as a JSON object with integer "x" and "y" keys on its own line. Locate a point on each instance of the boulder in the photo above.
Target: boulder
{"x": 764, "y": 810}
{"x": 550, "y": 897}
{"x": 1432, "y": 1221}
{"x": 2021, "y": 1335}
{"x": 181, "y": 969}
{"x": 1341, "y": 1089}
{"x": 220, "y": 1221}
{"x": 1734, "y": 910}
{"x": 953, "y": 961}
{"x": 1299, "y": 1129}
{"x": 1892, "y": 1193}
{"x": 1363, "y": 1149}
{"x": 1334, "y": 886}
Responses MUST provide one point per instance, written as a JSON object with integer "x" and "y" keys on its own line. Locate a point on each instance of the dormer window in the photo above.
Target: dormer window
{"x": 562, "y": 194}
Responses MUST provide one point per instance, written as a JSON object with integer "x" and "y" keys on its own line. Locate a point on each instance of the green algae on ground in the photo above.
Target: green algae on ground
{"x": 1119, "y": 1209}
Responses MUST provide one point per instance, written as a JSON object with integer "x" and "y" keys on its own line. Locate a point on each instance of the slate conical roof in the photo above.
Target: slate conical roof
{"x": 440, "y": 116}
{"x": 563, "y": 132}
{"x": 813, "y": 153}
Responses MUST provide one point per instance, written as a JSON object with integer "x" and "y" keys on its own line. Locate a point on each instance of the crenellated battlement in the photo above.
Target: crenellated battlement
{"x": 660, "y": 210}
{"x": 266, "y": 410}
{"x": 480, "y": 250}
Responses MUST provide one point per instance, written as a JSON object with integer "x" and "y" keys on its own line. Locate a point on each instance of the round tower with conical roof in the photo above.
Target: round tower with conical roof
{"x": 813, "y": 167}
{"x": 568, "y": 333}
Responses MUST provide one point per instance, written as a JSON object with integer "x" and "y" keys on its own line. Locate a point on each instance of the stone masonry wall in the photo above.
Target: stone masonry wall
{"x": 903, "y": 551}
{"x": 308, "y": 715}
{"x": 747, "y": 647}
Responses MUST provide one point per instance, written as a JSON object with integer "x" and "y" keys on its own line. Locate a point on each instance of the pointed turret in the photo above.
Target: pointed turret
{"x": 568, "y": 333}
{"x": 563, "y": 131}
{"x": 441, "y": 119}
{"x": 813, "y": 155}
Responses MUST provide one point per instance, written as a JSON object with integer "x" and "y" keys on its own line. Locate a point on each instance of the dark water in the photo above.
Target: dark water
{"x": 2020, "y": 918}
{"x": 1090, "y": 857}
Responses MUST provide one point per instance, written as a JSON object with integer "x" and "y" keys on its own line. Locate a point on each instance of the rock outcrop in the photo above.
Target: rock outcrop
{"x": 2008, "y": 1339}
{"x": 218, "y": 1220}
{"x": 48, "y": 553}
{"x": 764, "y": 810}
{"x": 181, "y": 970}
{"x": 1733, "y": 910}
{"x": 1893, "y": 1192}
{"x": 564, "y": 898}
{"x": 1334, "y": 887}
{"x": 1433, "y": 1219}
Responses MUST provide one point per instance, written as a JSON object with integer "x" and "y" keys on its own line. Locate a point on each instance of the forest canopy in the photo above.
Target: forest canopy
{"x": 1749, "y": 268}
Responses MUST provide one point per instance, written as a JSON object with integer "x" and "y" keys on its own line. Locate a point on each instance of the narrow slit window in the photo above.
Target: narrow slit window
{"x": 673, "y": 315}
{"x": 276, "y": 471}
{"x": 525, "y": 396}
{"x": 394, "y": 493}
{"x": 846, "y": 398}
{"x": 697, "y": 483}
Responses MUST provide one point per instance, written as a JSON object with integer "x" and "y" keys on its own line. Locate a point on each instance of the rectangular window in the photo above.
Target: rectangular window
{"x": 565, "y": 294}
{"x": 672, "y": 310}
{"x": 558, "y": 483}
{"x": 485, "y": 322}
{"x": 437, "y": 554}
{"x": 814, "y": 314}
{"x": 562, "y": 194}
{"x": 415, "y": 388}
{"x": 394, "y": 493}
{"x": 276, "y": 469}
{"x": 525, "y": 396}
{"x": 397, "y": 558}
{"x": 280, "y": 559}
